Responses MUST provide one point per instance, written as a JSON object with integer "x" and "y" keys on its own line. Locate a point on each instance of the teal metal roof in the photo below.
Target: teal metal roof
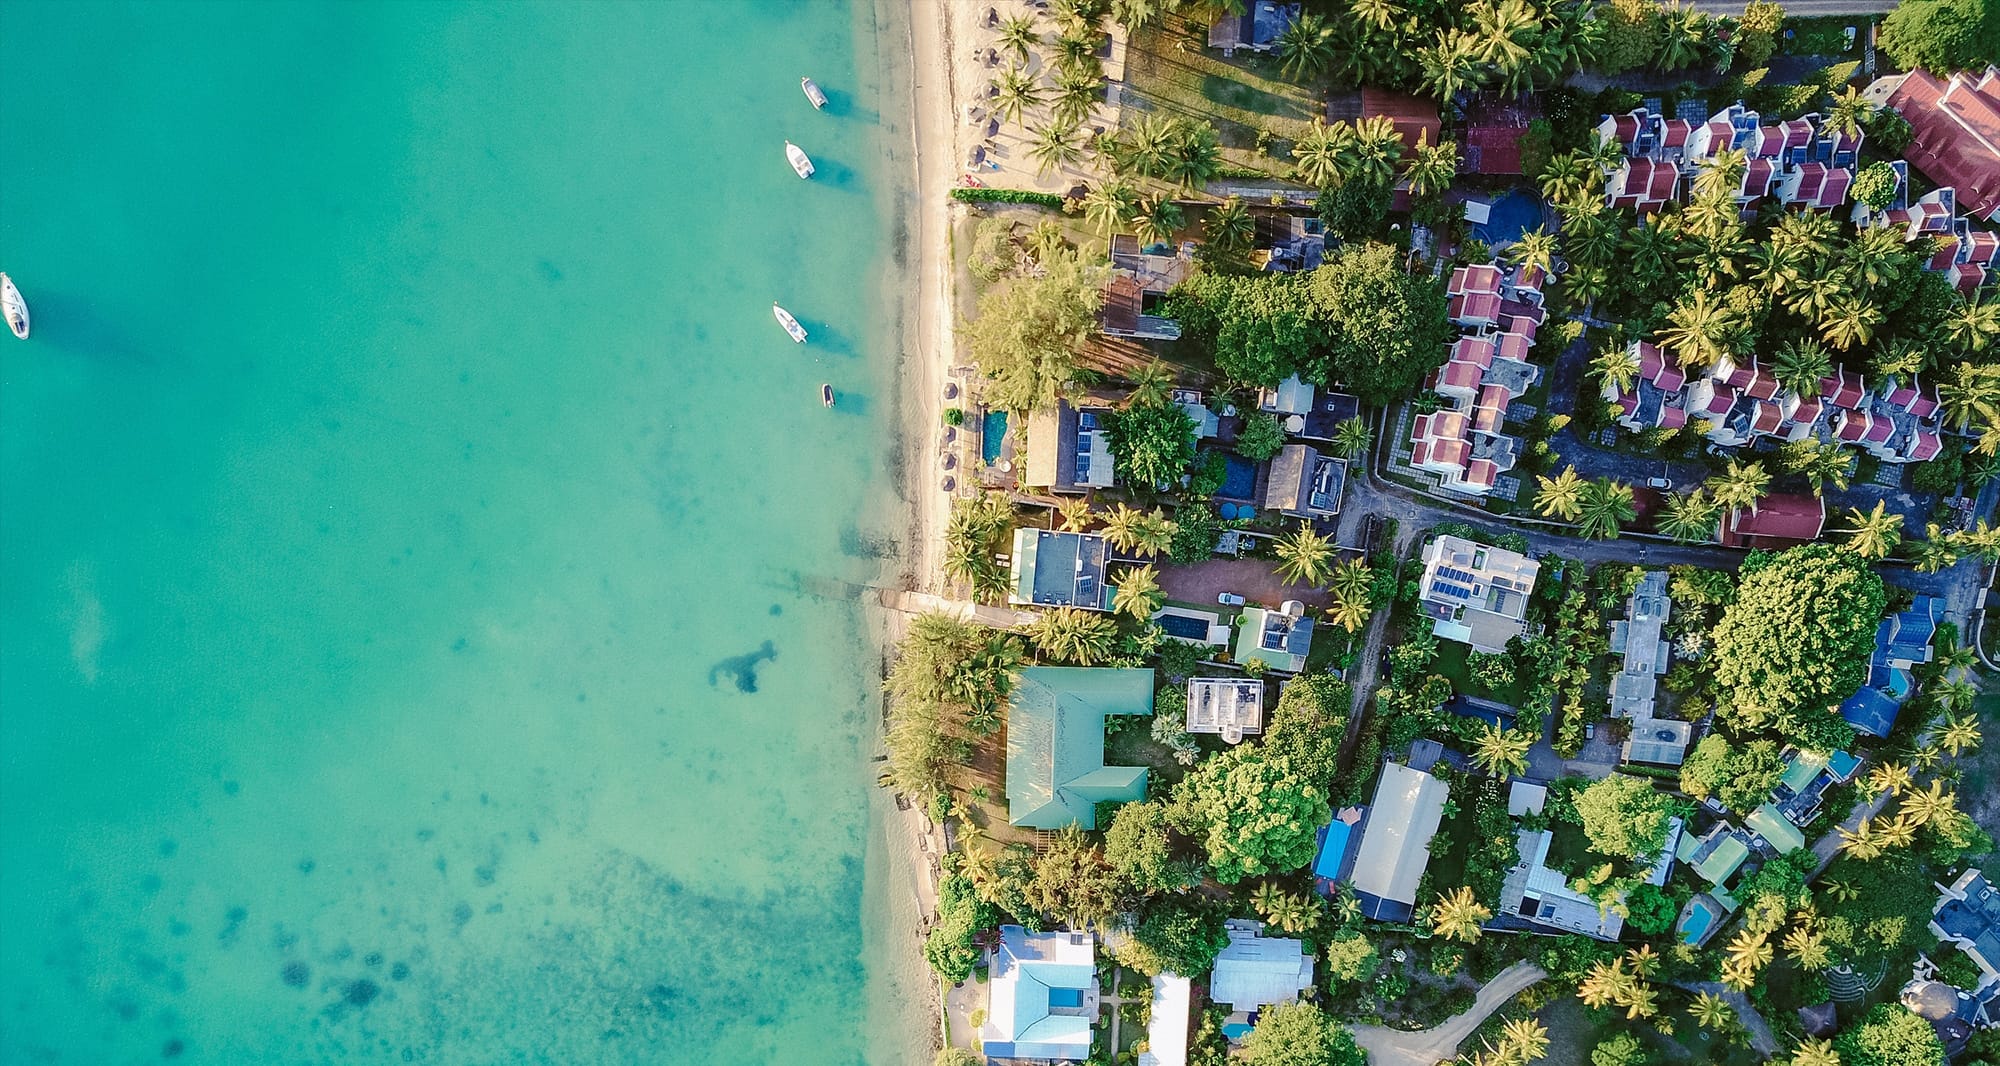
{"x": 1774, "y": 827}
{"x": 1055, "y": 744}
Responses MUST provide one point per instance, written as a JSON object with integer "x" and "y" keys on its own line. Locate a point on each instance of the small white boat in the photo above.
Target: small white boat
{"x": 15, "y": 306}
{"x": 791, "y": 324}
{"x": 800, "y": 161}
{"x": 813, "y": 93}
{"x": 826, "y": 395}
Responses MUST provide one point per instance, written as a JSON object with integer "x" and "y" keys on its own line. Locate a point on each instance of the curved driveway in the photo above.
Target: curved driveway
{"x": 1393, "y": 1047}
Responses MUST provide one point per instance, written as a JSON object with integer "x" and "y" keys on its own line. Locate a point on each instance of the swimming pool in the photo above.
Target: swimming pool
{"x": 1239, "y": 478}
{"x": 1510, "y": 216}
{"x": 1699, "y": 918}
{"x": 991, "y": 432}
{"x": 1185, "y": 626}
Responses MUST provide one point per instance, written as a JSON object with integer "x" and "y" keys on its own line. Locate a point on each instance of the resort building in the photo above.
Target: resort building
{"x": 1140, "y": 279}
{"x": 1801, "y": 162}
{"x": 1303, "y": 483}
{"x": 1280, "y": 639}
{"x": 1640, "y": 642}
{"x": 1255, "y": 971}
{"x": 1778, "y": 834}
{"x": 1257, "y": 29}
{"x": 1042, "y": 990}
{"x": 1068, "y": 451}
{"x": 1967, "y": 915}
{"x": 1229, "y": 707}
{"x": 1288, "y": 399}
{"x": 1716, "y": 856}
{"x": 1486, "y": 369}
{"x": 1535, "y": 893}
{"x": 1051, "y": 569}
{"x": 1901, "y": 642}
{"x": 1476, "y": 594}
{"x": 1954, "y": 133}
{"x": 1779, "y": 520}
{"x": 1954, "y": 1013}
{"x": 1056, "y": 775}
{"x": 1807, "y": 776}
{"x": 1396, "y": 840}
{"x": 1167, "y": 1022}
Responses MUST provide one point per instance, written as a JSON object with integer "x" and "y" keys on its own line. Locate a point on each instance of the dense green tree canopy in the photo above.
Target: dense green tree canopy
{"x": 1620, "y": 1049}
{"x": 1740, "y": 776}
{"x": 1942, "y": 35}
{"x": 1073, "y": 882}
{"x": 1890, "y": 1036}
{"x": 1650, "y": 910}
{"x": 1359, "y": 321}
{"x": 1350, "y": 957}
{"x": 1139, "y": 851}
{"x": 1797, "y": 640}
{"x": 1029, "y": 328}
{"x": 1300, "y": 1034}
{"x": 1307, "y": 728}
{"x": 1624, "y": 817}
{"x": 1151, "y": 444}
{"x": 1177, "y": 934}
{"x": 962, "y": 915}
{"x": 1253, "y": 814}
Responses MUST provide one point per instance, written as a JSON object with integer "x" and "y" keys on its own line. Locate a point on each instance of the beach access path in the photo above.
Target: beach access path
{"x": 1394, "y": 1047}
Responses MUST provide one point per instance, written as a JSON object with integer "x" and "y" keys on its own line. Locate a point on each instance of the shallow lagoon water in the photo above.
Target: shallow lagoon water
{"x": 426, "y": 564}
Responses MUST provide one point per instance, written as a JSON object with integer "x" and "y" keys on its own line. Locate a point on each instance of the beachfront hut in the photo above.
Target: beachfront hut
{"x": 1056, "y": 775}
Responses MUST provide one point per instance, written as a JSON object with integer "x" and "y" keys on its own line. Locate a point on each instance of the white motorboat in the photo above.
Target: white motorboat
{"x": 15, "y": 306}
{"x": 826, "y": 395}
{"x": 813, "y": 93}
{"x": 791, "y": 324}
{"x": 800, "y": 161}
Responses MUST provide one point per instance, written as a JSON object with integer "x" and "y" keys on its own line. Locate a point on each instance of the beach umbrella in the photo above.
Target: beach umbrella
{"x": 948, "y": 460}
{"x": 949, "y": 484}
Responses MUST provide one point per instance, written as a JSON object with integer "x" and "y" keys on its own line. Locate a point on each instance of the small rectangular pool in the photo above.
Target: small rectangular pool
{"x": 1699, "y": 918}
{"x": 1065, "y": 997}
{"x": 992, "y": 431}
{"x": 1239, "y": 478}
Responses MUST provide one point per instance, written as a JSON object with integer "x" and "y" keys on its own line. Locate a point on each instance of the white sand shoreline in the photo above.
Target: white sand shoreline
{"x": 930, "y": 342}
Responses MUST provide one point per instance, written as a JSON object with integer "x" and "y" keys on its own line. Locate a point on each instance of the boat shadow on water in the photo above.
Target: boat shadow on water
{"x": 827, "y": 340}
{"x": 72, "y": 327}
{"x": 851, "y": 403}
{"x": 836, "y": 175}
{"x": 841, "y": 105}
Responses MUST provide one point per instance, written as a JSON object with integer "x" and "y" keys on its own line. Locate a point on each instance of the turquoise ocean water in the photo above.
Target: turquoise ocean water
{"x": 422, "y": 554}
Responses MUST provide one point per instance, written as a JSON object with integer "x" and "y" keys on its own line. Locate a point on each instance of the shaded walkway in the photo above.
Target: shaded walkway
{"x": 1392, "y": 1047}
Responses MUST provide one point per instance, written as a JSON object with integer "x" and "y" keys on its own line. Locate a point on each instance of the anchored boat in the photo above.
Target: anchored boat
{"x": 813, "y": 92}
{"x": 826, "y": 395}
{"x": 791, "y": 324}
{"x": 800, "y": 161}
{"x": 15, "y": 307}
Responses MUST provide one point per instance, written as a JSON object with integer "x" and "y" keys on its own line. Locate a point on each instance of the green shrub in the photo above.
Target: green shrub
{"x": 954, "y": 416}
{"x": 1006, "y": 196}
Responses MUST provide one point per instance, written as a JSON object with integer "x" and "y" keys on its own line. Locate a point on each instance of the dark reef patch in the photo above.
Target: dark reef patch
{"x": 360, "y": 992}
{"x": 742, "y": 668}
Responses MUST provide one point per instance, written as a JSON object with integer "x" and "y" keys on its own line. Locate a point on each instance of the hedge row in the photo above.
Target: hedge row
{"x": 1006, "y": 196}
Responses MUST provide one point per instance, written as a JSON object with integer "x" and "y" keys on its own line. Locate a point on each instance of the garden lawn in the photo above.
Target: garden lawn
{"x": 1824, "y": 35}
{"x": 1453, "y": 663}
{"x": 1240, "y": 95}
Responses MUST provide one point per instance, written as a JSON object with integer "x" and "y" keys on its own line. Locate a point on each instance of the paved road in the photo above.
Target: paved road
{"x": 1393, "y": 1047}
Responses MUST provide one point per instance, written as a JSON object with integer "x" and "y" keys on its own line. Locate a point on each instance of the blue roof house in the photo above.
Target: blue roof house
{"x": 1968, "y": 914}
{"x": 1901, "y": 641}
{"x": 1042, "y": 996}
{"x": 1056, "y": 775}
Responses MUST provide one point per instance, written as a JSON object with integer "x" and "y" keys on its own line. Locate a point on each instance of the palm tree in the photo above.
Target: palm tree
{"x": 1306, "y": 48}
{"x": 1800, "y": 364}
{"x": 1305, "y": 556}
{"x": 1536, "y": 248}
{"x": 1850, "y": 109}
{"x": 1585, "y": 284}
{"x": 1197, "y": 156}
{"x": 1152, "y": 385}
{"x": 1054, "y": 147}
{"x": 1841, "y": 891}
{"x": 1959, "y": 735}
{"x": 1926, "y": 756}
{"x": 1017, "y": 93}
{"x": 1450, "y": 67}
{"x": 1348, "y": 612}
{"x": 1936, "y": 551}
{"x": 1121, "y": 527}
{"x": 1266, "y": 898}
{"x": 1888, "y": 777}
{"x": 1752, "y": 950}
{"x": 1606, "y": 983}
{"x": 1070, "y": 634}
{"x": 1139, "y": 593}
{"x": 1983, "y": 540}
{"x": 1689, "y": 517}
{"x": 1616, "y": 366}
{"x": 1077, "y": 48}
{"x": 1862, "y": 842}
{"x": 1381, "y": 14}
{"x": 1229, "y": 227}
{"x": 1077, "y": 91}
{"x": 1457, "y": 916}
{"x": 1849, "y": 322}
{"x": 1898, "y": 832}
{"x": 1501, "y": 753}
{"x": 1377, "y": 147}
{"x": 1607, "y": 506}
{"x": 1077, "y": 16}
{"x": 1074, "y": 512}
{"x": 1971, "y": 393}
{"x": 1293, "y": 913}
{"x": 1018, "y": 35}
{"x": 1928, "y": 806}
{"x": 1566, "y": 175}
{"x": 1560, "y": 496}
{"x": 1155, "y": 220}
{"x": 1820, "y": 461}
{"x": 1524, "y": 1040}
{"x": 1150, "y": 144}
{"x": 1740, "y": 485}
{"x": 1432, "y": 168}
{"x": 1807, "y": 948}
{"x": 1685, "y": 34}
{"x": 1107, "y": 205}
{"x": 1134, "y": 14}
{"x": 1046, "y": 240}
{"x": 1699, "y": 330}
{"x": 1954, "y": 695}
{"x": 1712, "y": 1012}
{"x": 1816, "y": 1052}
{"x": 1152, "y": 532}
{"x": 1875, "y": 533}
{"x": 1352, "y": 438}
{"x": 1973, "y": 324}
{"x": 1320, "y": 154}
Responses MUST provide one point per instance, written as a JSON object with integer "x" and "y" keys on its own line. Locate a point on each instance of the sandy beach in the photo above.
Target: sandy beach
{"x": 930, "y": 345}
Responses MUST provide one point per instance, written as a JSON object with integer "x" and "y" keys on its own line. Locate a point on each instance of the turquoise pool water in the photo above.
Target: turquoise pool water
{"x": 427, "y": 566}
{"x": 992, "y": 432}
{"x": 1699, "y": 917}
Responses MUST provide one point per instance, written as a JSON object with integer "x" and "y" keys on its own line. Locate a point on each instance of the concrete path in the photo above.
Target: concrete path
{"x": 1392, "y": 1047}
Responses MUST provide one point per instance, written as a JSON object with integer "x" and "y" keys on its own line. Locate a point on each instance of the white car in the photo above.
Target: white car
{"x": 1658, "y": 483}
{"x": 1230, "y": 599}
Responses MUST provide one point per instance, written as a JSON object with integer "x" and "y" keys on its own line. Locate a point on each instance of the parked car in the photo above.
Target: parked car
{"x": 1230, "y": 599}
{"x": 1658, "y": 483}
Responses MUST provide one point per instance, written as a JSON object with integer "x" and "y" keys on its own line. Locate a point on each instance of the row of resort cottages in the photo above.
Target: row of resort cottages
{"x": 1801, "y": 163}
{"x": 1043, "y": 986}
